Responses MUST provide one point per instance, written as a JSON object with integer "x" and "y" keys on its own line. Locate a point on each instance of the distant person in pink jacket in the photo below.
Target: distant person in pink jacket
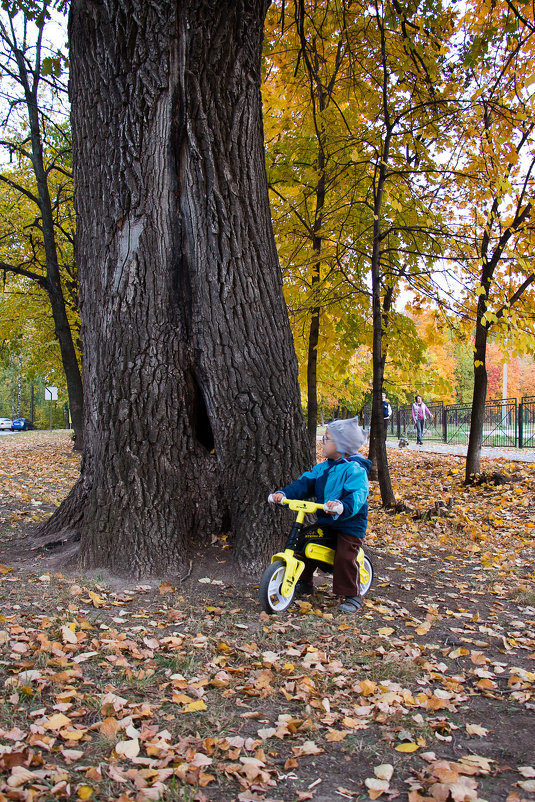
{"x": 419, "y": 414}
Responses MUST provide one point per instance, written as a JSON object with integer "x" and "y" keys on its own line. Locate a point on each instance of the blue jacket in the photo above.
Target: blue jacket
{"x": 345, "y": 480}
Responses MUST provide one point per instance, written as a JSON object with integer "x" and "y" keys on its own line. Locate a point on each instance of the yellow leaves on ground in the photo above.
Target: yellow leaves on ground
{"x": 96, "y": 600}
{"x": 407, "y": 746}
{"x": 446, "y": 780}
{"x": 385, "y": 631}
{"x": 195, "y": 706}
{"x": 56, "y": 722}
{"x": 144, "y": 691}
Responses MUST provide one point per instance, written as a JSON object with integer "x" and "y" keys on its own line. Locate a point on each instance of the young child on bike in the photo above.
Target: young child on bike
{"x": 341, "y": 484}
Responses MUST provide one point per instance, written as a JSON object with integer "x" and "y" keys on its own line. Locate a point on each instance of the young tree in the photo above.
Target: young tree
{"x": 396, "y": 63}
{"x": 351, "y": 133}
{"x": 495, "y": 237}
{"x": 29, "y": 83}
{"x": 192, "y": 409}
{"x": 315, "y": 188}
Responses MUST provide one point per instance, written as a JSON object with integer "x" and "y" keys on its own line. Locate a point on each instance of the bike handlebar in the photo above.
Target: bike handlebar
{"x": 297, "y": 505}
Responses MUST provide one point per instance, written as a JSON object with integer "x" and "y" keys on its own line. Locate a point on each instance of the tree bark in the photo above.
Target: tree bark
{"x": 19, "y": 387}
{"x": 312, "y": 371}
{"x": 475, "y": 439}
{"x": 192, "y": 409}
{"x": 377, "y": 450}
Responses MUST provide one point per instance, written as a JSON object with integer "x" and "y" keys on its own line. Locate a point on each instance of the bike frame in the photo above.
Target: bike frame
{"x": 294, "y": 567}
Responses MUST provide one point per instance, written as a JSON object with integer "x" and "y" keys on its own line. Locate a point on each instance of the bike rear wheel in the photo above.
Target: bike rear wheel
{"x": 269, "y": 593}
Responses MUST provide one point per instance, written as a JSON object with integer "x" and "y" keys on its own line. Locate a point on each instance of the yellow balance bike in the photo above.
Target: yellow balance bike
{"x": 277, "y": 585}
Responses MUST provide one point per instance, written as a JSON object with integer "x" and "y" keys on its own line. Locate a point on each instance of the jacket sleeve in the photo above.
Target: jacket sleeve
{"x": 305, "y": 486}
{"x": 355, "y": 492}
{"x": 413, "y": 414}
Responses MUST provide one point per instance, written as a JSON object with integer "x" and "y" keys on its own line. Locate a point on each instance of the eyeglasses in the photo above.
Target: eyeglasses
{"x": 326, "y": 439}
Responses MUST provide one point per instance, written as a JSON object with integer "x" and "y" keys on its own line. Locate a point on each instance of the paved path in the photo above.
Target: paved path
{"x": 510, "y": 454}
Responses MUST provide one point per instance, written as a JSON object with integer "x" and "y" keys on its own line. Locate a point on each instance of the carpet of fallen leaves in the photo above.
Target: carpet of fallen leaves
{"x": 175, "y": 690}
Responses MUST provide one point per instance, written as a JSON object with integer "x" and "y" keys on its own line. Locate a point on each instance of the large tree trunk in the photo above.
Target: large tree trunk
{"x": 192, "y": 409}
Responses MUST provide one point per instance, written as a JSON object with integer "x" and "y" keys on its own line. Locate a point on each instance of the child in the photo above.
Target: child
{"x": 341, "y": 482}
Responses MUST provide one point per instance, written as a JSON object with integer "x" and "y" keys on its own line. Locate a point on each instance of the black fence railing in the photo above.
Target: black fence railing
{"x": 526, "y": 422}
{"x": 507, "y": 423}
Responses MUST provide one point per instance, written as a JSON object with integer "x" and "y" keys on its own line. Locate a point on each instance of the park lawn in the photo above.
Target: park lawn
{"x": 180, "y": 689}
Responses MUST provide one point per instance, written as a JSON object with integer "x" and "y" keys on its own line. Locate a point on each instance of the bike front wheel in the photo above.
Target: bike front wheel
{"x": 269, "y": 591}
{"x": 366, "y": 576}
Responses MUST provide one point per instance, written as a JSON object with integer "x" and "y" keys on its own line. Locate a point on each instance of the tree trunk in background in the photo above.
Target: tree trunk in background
{"x": 19, "y": 387}
{"x": 191, "y": 409}
{"x": 475, "y": 440}
{"x": 52, "y": 282}
{"x": 314, "y": 332}
{"x": 12, "y": 384}
{"x": 377, "y": 450}
{"x": 312, "y": 373}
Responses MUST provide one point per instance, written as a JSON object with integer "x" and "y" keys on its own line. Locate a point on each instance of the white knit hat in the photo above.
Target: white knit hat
{"x": 347, "y": 435}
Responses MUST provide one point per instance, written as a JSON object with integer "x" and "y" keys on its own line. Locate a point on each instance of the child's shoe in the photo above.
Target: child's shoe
{"x": 352, "y": 604}
{"x": 304, "y": 588}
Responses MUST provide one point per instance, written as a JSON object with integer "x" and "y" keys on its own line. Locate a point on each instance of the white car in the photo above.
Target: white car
{"x": 5, "y": 424}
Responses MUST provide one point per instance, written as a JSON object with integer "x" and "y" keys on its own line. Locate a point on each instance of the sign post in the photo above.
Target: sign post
{"x": 51, "y": 394}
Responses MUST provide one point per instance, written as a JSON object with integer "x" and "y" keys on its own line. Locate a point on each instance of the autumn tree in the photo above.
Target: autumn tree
{"x": 314, "y": 186}
{"x": 192, "y": 410}
{"x": 493, "y": 240}
{"x": 39, "y": 142}
{"x": 351, "y": 133}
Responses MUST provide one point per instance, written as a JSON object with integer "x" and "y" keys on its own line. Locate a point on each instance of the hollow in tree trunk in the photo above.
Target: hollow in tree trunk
{"x": 192, "y": 412}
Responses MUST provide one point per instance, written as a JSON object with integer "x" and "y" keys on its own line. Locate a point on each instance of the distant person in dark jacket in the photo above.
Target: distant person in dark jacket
{"x": 341, "y": 485}
{"x": 387, "y": 413}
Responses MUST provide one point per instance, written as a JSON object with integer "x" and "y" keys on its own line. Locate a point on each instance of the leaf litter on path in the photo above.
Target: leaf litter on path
{"x": 138, "y": 694}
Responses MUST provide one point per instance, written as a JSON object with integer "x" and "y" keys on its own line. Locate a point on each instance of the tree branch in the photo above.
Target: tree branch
{"x": 21, "y": 271}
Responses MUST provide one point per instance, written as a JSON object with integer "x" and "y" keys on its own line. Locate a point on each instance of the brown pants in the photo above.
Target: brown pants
{"x": 346, "y": 573}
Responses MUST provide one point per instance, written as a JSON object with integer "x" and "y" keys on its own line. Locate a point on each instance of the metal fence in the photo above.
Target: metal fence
{"x": 500, "y": 424}
{"x": 526, "y": 422}
{"x": 507, "y": 423}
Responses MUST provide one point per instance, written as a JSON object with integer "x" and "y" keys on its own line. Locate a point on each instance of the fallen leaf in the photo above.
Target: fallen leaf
{"x": 408, "y": 746}
{"x": 56, "y": 722}
{"x": 384, "y": 771}
{"x": 195, "y": 707}
{"x": 128, "y": 748}
{"x": 475, "y": 729}
{"x": 376, "y": 787}
{"x": 308, "y": 748}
